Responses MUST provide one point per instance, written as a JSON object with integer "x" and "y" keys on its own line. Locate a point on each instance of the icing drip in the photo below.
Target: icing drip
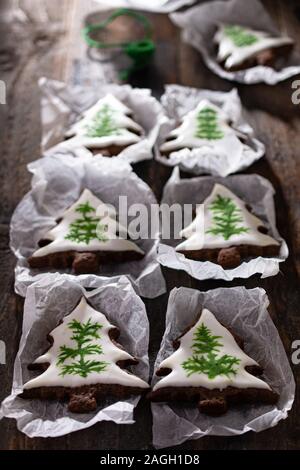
{"x": 106, "y": 123}
{"x": 223, "y": 221}
{"x": 238, "y": 43}
{"x": 209, "y": 357}
{"x": 206, "y": 127}
{"x": 88, "y": 225}
{"x": 95, "y": 361}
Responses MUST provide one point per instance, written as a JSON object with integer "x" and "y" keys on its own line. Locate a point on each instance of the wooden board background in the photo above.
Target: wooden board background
{"x": 49, "y": 44}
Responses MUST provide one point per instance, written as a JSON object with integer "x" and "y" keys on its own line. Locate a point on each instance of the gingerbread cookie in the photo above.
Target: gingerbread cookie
{"x": 224, "y": 231}
{"x": 84, "y": 364}
{"x": 207, "y": 127}
{"x": 85, "y": 236}
{"x": 240, "y": 47}
{"x": 210, "y": 368}
{"x": 106, "y": 128}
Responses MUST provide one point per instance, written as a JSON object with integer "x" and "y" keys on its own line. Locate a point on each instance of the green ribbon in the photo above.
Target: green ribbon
{"x": 140, "y": 51}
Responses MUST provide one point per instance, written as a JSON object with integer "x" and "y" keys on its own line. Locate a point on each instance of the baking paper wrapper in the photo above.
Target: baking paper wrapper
{"x": 253, "y": 190}
{"x": 158, "y": 6}
{"x": 62, "y": 105}
{"x": 177, "y": 101}
{"x": 245, "y": 312}
{"x": 47, "y": 302}
{"x": 57, "y": 183}
{"x": 199, "y": 26}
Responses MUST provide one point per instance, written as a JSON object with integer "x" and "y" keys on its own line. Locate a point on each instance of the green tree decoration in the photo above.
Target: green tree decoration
{"x": 226, "y": 217}
{"x": 83, "y": 336}
{"x": 207, "y": 125}
{"x": 103, "y": 124}
{"x": 205, "y": 358}
{"x": 87, "y": 227}
{"x": 204, "y": 341}
{"x": 240, "y": 36}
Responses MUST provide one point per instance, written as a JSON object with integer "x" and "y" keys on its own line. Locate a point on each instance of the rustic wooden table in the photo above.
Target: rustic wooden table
{"x": 49, "y": 44}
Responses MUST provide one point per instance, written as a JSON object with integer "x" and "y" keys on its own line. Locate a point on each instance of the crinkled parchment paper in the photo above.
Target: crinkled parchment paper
{"x": 57, "y": 182}
{"x": 159, "y": 6}
{"x": 177, "y": 101}
{"x": 62, "y": 105}
{"x": 245, "y": 312}
{"x": 255, "y": 191}
{"x": 199, "y": 26}
{"x": 47, "y": 302}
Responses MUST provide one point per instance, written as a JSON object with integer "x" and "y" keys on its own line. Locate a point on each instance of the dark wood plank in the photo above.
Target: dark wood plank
{"x": 48, "y": 45}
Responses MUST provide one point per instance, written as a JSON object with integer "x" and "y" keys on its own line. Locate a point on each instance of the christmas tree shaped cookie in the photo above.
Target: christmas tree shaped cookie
{"x": 209, "y": 367}
{"x": 224, "y": 231}
{"x": 83, "y": 239}
{"x": 106, "y": 127}
{"x": 240, "y": 47}
{"x": 207, "y": 128}
{"x": 84, "y": 364}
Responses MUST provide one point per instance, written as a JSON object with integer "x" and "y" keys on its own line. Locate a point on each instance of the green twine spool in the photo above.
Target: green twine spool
{"x": 140, "y": 52}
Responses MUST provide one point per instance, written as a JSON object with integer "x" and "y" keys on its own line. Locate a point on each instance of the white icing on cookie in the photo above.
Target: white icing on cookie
{"x": 106, "y": 123}
{"x": 74, "y": 217}
{"x": 235, "y": 55}
{"x": 199, "y": 236}
{"x": 112, "y": 374}
{"x": 179, "y": 377}
{"x": 223, "y": 139}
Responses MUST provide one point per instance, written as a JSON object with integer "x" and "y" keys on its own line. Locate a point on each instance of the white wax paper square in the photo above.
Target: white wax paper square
{"x": 47, "y": 302}
{"x": 177, "y": 101}
{"x": 255, "y": 191}
{"x": 199, "y": 26}
{"x": 57, "y": 183}
{"x": 62, "y": 105}
{"x": 245, "y": 313}
{"x": 158, "y": 6}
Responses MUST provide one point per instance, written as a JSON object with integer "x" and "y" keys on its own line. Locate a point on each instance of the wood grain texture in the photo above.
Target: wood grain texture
{"x": 49, "y": 44}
